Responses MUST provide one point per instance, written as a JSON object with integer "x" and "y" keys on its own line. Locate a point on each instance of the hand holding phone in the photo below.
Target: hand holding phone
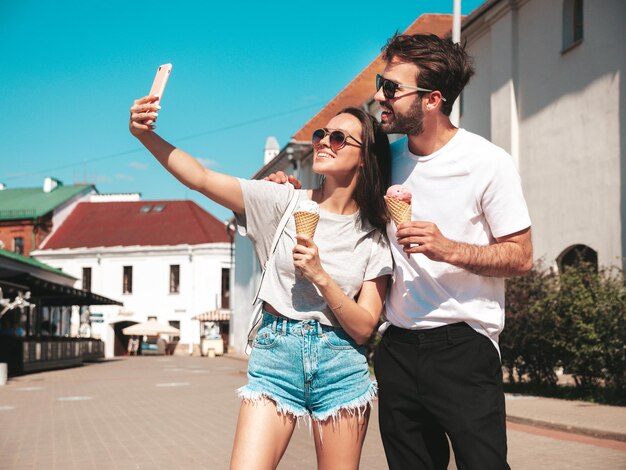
{"x": 160, "y": 80}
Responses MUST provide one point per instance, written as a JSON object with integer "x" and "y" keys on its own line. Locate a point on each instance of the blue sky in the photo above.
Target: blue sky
{"x": 241, "y": 71}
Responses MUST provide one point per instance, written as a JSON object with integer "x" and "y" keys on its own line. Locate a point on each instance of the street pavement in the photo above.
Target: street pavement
{"x": 174, "y": 412}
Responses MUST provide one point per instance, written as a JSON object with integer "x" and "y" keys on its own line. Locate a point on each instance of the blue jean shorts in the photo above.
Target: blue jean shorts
{"x": 308, "y": 369}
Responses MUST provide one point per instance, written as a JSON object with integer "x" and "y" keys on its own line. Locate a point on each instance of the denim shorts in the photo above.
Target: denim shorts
{"x": 308, "y": 369}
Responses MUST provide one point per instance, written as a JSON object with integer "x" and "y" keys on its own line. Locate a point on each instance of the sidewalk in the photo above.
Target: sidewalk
{"x": 180, "y": 412}
{"x": 579, "y": 417}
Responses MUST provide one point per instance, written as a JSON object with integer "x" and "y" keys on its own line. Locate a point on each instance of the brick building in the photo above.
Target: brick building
{"x": 28, "y": 215}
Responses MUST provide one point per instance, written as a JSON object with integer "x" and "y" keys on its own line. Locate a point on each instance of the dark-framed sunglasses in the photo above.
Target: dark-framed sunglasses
{"x": 337, "y": 138}
{"x": 390, "y": 88}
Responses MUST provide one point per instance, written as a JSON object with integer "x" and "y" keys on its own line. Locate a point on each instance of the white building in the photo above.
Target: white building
{"x": 548, "y": 89}
{"x": 165, "y": 260}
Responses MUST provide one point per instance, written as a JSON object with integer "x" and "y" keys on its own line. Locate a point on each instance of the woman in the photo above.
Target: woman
{"x": 322, "y": 298}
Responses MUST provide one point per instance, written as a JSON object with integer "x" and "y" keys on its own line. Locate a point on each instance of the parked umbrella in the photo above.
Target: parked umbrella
{"x": 150, "y": 328}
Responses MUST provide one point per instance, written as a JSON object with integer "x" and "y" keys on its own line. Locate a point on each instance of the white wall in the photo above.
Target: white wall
{"x": 560, "y": 115}
{"x": 247, "y": 276}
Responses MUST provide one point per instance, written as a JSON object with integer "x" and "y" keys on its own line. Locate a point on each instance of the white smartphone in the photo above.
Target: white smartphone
{"x": 160, "y": 80}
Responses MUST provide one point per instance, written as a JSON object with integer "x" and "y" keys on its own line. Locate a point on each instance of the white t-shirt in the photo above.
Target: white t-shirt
{"x": 472, "y": 191}
{"x": 351, "y": 251}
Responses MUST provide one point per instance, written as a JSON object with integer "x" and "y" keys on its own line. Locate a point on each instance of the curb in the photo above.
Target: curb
{"x": 597, "y": 433}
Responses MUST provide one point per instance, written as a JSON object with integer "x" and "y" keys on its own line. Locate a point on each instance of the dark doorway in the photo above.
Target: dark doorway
{"x": 120, "y": 345}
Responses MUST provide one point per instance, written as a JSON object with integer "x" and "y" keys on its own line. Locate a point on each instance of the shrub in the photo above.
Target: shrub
{"x": 528, "y": 336}
{"x": 575, "y": 320}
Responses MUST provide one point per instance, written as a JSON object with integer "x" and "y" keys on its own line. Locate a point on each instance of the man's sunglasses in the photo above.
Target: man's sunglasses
{"x": 337, "y": 138}
{"x": 390, "y": 88}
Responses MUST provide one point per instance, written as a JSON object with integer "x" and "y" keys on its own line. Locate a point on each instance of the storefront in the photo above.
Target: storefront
{"x": 42, "y": 317}
{"x": 214, "y": 331}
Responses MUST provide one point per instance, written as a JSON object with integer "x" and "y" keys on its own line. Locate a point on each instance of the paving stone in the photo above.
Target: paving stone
{"x": 129, "y": 422}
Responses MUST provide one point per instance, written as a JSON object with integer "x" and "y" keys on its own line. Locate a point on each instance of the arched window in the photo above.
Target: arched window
{"x": 572, "y": 24}
{"x": 576, "y": 254}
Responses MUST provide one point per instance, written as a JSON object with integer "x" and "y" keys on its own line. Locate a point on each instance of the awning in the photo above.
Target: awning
{"x": 51, "y": 293}
{"x": 150, "y": 328}
{"x": 221, "y": 314}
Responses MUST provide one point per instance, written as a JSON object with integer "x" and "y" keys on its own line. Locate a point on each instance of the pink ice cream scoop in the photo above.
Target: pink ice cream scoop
{"x": 399, "y": 193}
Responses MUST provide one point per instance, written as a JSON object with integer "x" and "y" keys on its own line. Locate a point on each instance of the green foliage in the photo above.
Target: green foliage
{"x": 528, "y": 335}
{"x": 575, "y": 320}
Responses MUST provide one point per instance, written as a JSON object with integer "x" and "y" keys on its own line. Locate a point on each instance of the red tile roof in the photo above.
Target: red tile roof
{"x": 93, "y": 224}
{"x": 361, "y": 88}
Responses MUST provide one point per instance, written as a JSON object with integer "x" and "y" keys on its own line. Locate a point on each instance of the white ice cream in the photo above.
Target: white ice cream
{"x": 308, "y": 206}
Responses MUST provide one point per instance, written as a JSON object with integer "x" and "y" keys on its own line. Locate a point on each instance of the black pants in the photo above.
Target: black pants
{"x": 438, "y": 382}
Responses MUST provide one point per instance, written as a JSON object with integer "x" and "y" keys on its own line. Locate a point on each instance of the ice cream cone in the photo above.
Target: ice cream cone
{"x": 306, "y": 222}
{"x": 400, "y": 211}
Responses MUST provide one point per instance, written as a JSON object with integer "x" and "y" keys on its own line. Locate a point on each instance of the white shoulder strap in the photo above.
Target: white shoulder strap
{"x": 279, "y": 231}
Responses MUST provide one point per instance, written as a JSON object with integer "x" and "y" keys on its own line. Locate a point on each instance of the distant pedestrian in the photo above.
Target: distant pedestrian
{"x": 133, "y": 346}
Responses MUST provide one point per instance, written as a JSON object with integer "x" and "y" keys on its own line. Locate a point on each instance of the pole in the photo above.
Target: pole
{"x": 455, "y": 115}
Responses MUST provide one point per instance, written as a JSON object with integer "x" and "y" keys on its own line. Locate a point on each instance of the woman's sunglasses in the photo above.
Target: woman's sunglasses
{"x": 390, "y": 88}
{"x": 337, "y": 138}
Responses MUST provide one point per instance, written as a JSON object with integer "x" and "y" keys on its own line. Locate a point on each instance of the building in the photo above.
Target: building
{"x": 165, "y": 260}
{"x": 29, "y": 215}
{"x": 547, "y": 89}
{"x": 40, "y": 312}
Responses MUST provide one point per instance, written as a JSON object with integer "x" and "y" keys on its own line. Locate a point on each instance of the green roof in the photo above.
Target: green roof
{"x": 32, "y": 262}
{"x": 30, "y": 203}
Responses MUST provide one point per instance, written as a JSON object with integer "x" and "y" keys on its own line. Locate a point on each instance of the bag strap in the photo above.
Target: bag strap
{"x": 279, "y": 231}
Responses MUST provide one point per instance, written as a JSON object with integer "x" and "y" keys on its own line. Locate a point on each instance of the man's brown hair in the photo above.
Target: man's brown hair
{"x": 443, "y": 65}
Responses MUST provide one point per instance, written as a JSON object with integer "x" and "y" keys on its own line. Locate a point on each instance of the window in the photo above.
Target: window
{"x": 225, "y": 288}
{"x": 18, "y": 245}
{"x": 572, "y": 24}
{"x": 575, "y": 255}
{"x": 127, "y": 283}
{"x": 87, "y": 279}
{"x": 174, "y": 279}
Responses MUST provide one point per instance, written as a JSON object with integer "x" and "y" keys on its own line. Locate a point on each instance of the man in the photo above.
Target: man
{"x": 438, "y": 364}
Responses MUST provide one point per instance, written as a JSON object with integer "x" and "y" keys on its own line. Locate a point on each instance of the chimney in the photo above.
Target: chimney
{"x": 50, "y": 183}
{"x": 271, "y": 149}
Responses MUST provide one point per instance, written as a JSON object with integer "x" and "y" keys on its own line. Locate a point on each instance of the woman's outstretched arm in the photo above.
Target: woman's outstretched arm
{"x": 221, "y": 188}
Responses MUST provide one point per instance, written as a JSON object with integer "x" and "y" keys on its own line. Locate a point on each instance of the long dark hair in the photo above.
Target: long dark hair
{"x": 375, "y": 173}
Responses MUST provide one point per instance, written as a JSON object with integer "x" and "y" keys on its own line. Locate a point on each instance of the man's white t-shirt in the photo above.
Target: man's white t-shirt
{"x": 472, "y": 191}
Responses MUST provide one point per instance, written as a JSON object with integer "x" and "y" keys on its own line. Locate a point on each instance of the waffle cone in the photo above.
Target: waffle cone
{"x": 400, "y": 211}
{"x": 306, "y": 222}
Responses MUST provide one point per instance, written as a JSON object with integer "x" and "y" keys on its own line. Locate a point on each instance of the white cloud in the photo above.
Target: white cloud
{"x": 101, "y": 179}
{"x": 138, "y": 166}
{"x": 124, "y": 177}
